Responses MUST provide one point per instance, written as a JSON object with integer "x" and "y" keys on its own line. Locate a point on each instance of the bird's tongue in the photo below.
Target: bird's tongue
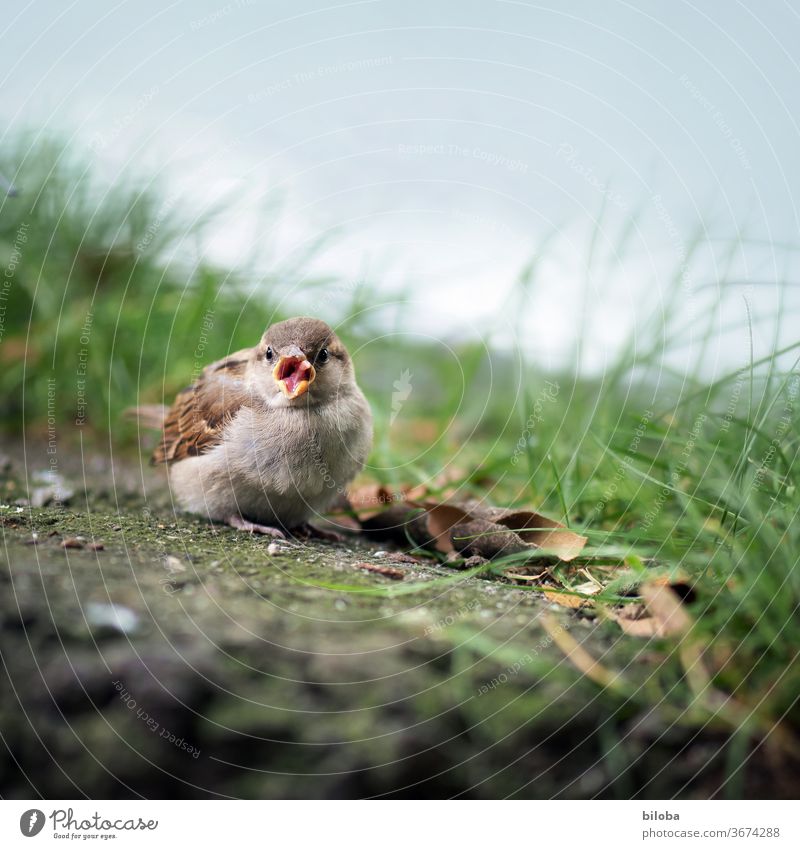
{"x": 293, "y": 378}
{"x": 292, "y": 373}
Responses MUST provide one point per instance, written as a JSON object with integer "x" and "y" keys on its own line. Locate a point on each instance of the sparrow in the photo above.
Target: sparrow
{"x": 270, "y": 436}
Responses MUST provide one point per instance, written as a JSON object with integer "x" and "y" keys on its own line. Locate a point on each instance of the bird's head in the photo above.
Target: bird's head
{"x": 302, "y": 361}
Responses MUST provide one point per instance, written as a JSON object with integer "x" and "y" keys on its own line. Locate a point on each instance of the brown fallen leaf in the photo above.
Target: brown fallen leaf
{"x": 644, "y": 627}
{"x": 565, "y": 599}
{"x": 368, "y": 500}
{"x": 571, "y": 599}
{"x": 661, "y": 615}
{"x": 541, "y": 531}
{"x": 666, "y": 608}
{"x": 386, "y": 571}
{"x": 399, "y": 523}
{"x": 469, "y": 528}
{"x": 441, "y": 520}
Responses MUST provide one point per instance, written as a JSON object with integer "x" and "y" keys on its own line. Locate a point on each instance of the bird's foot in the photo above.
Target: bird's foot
{"x": 308, "y": 531}
{"x": 254, "y": 528}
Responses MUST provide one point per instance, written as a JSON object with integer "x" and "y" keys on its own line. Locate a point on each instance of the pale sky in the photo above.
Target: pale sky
{"x": 446, "y": 140}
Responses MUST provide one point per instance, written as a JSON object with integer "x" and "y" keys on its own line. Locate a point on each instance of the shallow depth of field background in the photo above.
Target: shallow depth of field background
{"x": 487, "y": 200}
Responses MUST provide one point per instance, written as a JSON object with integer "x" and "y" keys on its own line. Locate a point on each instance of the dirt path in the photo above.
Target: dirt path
{"x": 163, "y": 657}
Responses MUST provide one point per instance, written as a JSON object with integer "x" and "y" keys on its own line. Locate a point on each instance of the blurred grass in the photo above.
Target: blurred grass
{"x": 700, "y": 477}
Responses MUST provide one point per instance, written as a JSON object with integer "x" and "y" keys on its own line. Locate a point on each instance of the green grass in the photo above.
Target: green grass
{"x": 684, "y": 475}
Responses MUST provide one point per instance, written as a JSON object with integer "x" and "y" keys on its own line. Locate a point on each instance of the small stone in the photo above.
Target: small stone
{"x": 73, "y": 542}
{"x": 400, "y": 557}
{"x": 273, "y": 549}
{"x": 96, "y": 546}
{"x": 112, "y": 617}
{"x": 116, "y": 527}
{"x": 475, "y": 560}
{"x": 52, "y": 488}
{"x": 172, "y": 564}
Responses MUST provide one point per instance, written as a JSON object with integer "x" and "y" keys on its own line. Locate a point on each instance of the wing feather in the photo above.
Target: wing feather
{"x": 197, "y": 418}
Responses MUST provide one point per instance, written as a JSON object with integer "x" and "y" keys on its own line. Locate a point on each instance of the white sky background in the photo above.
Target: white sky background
{"x": 448, "y": 139}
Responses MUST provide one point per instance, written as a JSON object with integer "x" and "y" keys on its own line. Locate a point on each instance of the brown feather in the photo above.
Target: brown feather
{"x": 200, "y": 412}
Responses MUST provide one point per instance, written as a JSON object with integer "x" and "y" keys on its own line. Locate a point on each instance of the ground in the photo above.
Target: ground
{"x": 164, "y": 657}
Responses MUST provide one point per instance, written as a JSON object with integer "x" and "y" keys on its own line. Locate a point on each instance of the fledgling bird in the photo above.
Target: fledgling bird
{"x": 270, "y": 436}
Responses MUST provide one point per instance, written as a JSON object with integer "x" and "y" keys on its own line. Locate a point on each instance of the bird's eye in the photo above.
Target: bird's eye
{"x": 269, "y": 353}
{"x": 322, "y": 356}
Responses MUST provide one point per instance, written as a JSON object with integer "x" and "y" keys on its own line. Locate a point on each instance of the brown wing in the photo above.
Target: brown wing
{"x": 195, "y": 422}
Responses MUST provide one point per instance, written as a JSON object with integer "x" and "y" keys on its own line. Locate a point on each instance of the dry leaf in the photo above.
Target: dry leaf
{"x": 386, "y": 571}
{"x": 565, "y": 599}
{"x": 666, "y": 608}
{"x": 662, "y": 615}
{"x": 646, "y": 627}
{"x": 370, "y": 499}
{"x": 471, "y": 528}
{"x": 569, "y": 599}
{"x": 441, "y": 520}
{"x": 543, "y": 532}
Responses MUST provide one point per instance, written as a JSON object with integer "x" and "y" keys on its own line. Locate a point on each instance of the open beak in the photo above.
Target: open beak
{"x": 294, "y": 374}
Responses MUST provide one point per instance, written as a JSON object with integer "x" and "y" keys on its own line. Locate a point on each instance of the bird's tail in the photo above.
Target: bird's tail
{"x": 148, "y": 415}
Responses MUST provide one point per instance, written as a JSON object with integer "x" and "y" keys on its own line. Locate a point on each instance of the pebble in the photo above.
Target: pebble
{"x": 273, "y": 548}
{"x": 96, "y": 546}
{"x": 52, "y": 488}
{"x": 73, "y": 542}
{"x": 172, "y": 564}
{"x": 399, "y": 557}
{"x": 113, "y": 617}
